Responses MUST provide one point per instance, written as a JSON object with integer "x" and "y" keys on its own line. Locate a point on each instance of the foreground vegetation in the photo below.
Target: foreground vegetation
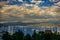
{"x": 47, "y": 35}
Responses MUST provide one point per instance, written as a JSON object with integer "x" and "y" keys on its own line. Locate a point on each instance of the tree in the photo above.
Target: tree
{"x": 6, "y": 36}
{"x": 55, "y": 36}
{"x": 35, "y": 36}
{"x": 18, "y": 35}
{"x": 41, "y": 34}
{"x": 28, "y": 37}
{"x": 48, "y": 35}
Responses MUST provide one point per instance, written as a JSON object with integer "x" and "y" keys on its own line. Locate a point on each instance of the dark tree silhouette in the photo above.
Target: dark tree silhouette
{"x": 47, "y": 35}
{"x": 28, "y": 37}
{"x": 41, "y": 34}
{"x": 18, "y": 35}
{"x": 35, "y": 36}
{"x": 6, "y": 36}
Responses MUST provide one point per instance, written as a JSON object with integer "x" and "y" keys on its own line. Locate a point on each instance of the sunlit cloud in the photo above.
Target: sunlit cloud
{"x": 30, "y": 13}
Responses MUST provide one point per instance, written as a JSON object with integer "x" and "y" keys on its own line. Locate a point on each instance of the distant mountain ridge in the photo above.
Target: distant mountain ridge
{"x": 25, "y": 24}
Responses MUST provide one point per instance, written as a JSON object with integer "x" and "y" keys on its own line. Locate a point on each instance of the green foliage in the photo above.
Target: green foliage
{"x": 6, "y": 36}
{"x": 18, "y": 36}
{"x": 35, "y": 36}
{"x": 28, "y": 37}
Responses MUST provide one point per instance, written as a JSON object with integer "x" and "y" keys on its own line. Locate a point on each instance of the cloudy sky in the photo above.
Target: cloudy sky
{"x": 28, "y": 11}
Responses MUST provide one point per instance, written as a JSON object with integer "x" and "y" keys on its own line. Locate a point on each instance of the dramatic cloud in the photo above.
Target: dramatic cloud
{"x": 57, "y": 4}
{"x": 53, "y": 0}
{"x": 30, "y": 13}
